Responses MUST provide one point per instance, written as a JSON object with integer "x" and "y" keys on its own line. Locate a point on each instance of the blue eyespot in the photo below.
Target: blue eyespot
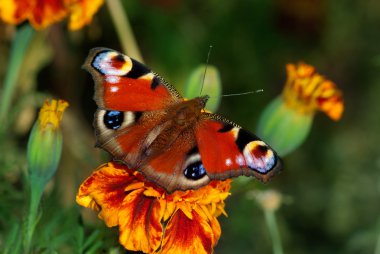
{"x": 195, "y": 171}
{"x": 113, "y": 119}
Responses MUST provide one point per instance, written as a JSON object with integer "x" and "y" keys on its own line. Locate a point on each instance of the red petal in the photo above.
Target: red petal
{"x": 140, "y": 222}
{"x": 105, "y": 187}
{"x": 184, "y": 235}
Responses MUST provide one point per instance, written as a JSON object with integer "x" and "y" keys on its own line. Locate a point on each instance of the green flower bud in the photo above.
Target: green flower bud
{"x": 283, "y": 128}
{"x": 286, "y": 121}
{"x": 211, "y": 83}
{"x": 45, "y": 142}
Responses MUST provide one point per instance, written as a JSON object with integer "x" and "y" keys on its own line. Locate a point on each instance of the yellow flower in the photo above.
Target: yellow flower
{"x": 307, "y": 91}
{"x": 43, "y": 154}
{"x": 45, "y": 142}
{"x": 51, "y": 113}
{"x": 42, "y": 13}
{"x": 151, "y": 220}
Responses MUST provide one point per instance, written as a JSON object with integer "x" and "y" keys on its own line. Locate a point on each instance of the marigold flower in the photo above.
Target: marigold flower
{"x": 307, "y": 91}
{"x": 51, "y": 114}
{"x": 151, "y": 220}
{"x": 286, "y": 121}
{"x": 42, "y": 13}
{"x": 45, "y": 141}
{"x": 43, "y": 154}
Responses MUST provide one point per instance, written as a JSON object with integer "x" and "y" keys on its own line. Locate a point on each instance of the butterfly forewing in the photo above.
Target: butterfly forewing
{"x": 124, "y": 84}
{"x": 227, "y": 150}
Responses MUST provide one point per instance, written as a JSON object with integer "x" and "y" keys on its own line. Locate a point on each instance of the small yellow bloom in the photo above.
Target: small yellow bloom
{"x": 42, "y": 13}
{"x": 45, "y": 142}
{"x": 307, "y": 91}
{"x": 151, "y": 220}
{"x": 51, "y": 113}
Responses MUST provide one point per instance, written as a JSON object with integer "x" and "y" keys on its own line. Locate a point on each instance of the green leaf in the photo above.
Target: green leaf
{"x": 18, "y": 51}
{"x": 12, "y": 243}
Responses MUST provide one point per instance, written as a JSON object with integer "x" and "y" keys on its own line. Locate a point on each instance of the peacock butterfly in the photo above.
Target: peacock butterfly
{"x": 143, "y": 122}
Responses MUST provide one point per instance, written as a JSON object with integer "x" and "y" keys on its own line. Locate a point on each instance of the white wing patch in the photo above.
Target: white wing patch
{"x": 104, "y": 63}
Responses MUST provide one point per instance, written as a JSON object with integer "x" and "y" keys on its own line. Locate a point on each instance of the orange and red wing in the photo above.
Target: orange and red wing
{"x": 124, "y": 84}
{"x": 130, "y": 98}
{"x": 227, "y": 150}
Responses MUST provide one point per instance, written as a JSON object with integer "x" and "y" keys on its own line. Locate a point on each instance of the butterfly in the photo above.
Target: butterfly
{"x": 143, "y": 122}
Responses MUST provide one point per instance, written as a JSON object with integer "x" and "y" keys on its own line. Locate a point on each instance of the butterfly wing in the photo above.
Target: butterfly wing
{"x": 131, "y": 101}
{"x": 227, "y": 150}
{"x": 171, "y": 169}
{"x": 215, "y": 149}
{"x": 124, "y": 84}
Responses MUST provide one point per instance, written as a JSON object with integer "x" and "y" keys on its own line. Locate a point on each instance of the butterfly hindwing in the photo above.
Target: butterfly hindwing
{"x": 173, "y": 169}
{"x": 125, "y": 134}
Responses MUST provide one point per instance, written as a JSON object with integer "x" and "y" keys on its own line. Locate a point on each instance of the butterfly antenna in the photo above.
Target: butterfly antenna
{"x": 204, "y": 74}
{"x": 237, "y": 94}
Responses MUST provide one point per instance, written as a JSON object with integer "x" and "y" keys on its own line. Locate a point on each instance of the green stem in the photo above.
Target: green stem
{"x": 124, "y": 29}
{"x": 36, "y": 191}
{"x": 377, "y": 248}
{"x": 19, "y": 46}
{"x": 270, "y": 219}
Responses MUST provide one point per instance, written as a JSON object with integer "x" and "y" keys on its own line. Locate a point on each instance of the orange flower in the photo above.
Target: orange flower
{"x": 151, "y": 220}
{"x": 42, "y": 13}
{"x": 307, "y": 91}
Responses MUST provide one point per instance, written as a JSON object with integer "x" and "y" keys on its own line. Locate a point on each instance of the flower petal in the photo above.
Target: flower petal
{"x": 51, "y": 113}
{"x": 82, "y": 11}
{"x": 330, "y": 101}
{"x": 14, "y": 12}
{"x": 104, "y": 190}
{"x": 307, "y": 91}
{"x": 42, "y": 13}
{"x": 45, "y": 13}
{"x": 184, "y": 235}
{"x": 140, "y": 222}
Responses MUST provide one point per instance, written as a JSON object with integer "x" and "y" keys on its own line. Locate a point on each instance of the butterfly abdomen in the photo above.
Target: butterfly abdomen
{"x": 179, "y": 118}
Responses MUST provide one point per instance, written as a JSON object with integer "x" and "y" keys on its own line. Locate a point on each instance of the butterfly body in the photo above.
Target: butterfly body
{"x": 145, "y": 123}
{"x": 177, "y": 119}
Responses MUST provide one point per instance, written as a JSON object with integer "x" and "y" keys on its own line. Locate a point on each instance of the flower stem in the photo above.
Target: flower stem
{"x": 19, "y": 46}
{"x": 124, "y": 29}
{"x": 270, "y": 219}
{"x": 377, "y": 247}
{"x": 33, "y": 215}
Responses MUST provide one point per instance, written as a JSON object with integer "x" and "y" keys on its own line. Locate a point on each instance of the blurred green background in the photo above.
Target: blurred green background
{"x": 331, "y": 184}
